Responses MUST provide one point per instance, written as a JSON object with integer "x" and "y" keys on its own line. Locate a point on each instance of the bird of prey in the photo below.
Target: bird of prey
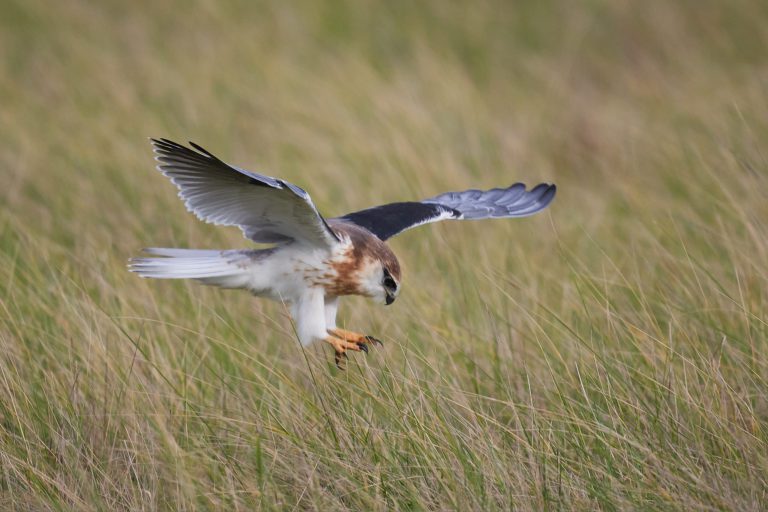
{"x": 312, "y": 260}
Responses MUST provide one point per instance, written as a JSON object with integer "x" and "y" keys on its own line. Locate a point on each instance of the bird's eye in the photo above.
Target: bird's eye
{"x": 388, "y": 282}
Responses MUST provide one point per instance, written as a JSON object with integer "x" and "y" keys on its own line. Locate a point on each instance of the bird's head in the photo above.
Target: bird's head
{"x": 380, "y": 281}
{"x": 379, "y": 275}
{"x": 369, "y": 263}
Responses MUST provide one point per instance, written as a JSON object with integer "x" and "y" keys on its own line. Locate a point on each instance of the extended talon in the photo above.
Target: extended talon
{"x": 354, "y": 337}
{"x": 338, "y": 359}
{"x": 340, "y": 346}
{"x": 342, "y": 340}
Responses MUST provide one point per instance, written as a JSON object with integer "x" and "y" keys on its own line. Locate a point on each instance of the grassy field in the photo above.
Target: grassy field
{"x": 608, "y": 354}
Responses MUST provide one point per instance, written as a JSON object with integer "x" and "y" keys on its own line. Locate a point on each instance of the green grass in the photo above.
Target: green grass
{"x": 608, "y": 354}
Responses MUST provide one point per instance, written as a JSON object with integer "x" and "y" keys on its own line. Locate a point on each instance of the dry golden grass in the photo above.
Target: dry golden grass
{"x": 609, "y": 354}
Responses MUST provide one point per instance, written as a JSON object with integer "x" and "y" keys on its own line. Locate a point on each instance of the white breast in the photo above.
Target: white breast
{"x": 291, "y": 270}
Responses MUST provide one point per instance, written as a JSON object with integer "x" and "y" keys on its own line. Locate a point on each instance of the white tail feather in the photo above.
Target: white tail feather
{"x": 221, "y": 268}
{"x": 176, "y": 253}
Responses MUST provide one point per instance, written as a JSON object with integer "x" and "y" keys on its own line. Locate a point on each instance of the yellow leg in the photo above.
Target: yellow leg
{"x": 354, "y": 337}
{"x": 340, "y": 347}
{"x": 342, "y": 340}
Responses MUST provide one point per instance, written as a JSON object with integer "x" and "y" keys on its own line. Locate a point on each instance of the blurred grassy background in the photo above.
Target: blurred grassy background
{"x": 609, "y": 354}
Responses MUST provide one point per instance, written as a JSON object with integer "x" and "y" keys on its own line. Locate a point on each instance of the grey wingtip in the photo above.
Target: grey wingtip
{"x": 549, "y": 195}
{"x": 544, "y": 198}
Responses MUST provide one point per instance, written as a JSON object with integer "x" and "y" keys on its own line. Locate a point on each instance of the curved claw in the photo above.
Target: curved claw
{"x": 363, "y": 347}
{"x": 375, "y": 341}
{"x": 338, "y": 360}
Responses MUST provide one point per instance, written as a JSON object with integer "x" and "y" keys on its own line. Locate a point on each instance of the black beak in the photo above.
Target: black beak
{"x": 390, "y": 299}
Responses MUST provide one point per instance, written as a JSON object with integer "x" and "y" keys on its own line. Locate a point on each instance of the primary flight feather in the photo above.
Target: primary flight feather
{"x": 314, "y": 261}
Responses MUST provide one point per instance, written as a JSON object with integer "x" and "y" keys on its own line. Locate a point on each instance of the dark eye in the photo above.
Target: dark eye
{"x": 389, "y": 283}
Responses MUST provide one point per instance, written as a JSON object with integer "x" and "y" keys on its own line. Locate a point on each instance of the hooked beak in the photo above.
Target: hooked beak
{"x": 390, "y": 299}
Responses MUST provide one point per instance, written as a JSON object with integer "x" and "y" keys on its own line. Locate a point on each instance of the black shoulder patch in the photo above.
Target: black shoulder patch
{"x": 387, "y": 220}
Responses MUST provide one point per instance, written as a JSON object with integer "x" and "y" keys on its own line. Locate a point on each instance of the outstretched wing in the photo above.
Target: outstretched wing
{"x": 388, "y": 220}
{"x": 268, "y": 210}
